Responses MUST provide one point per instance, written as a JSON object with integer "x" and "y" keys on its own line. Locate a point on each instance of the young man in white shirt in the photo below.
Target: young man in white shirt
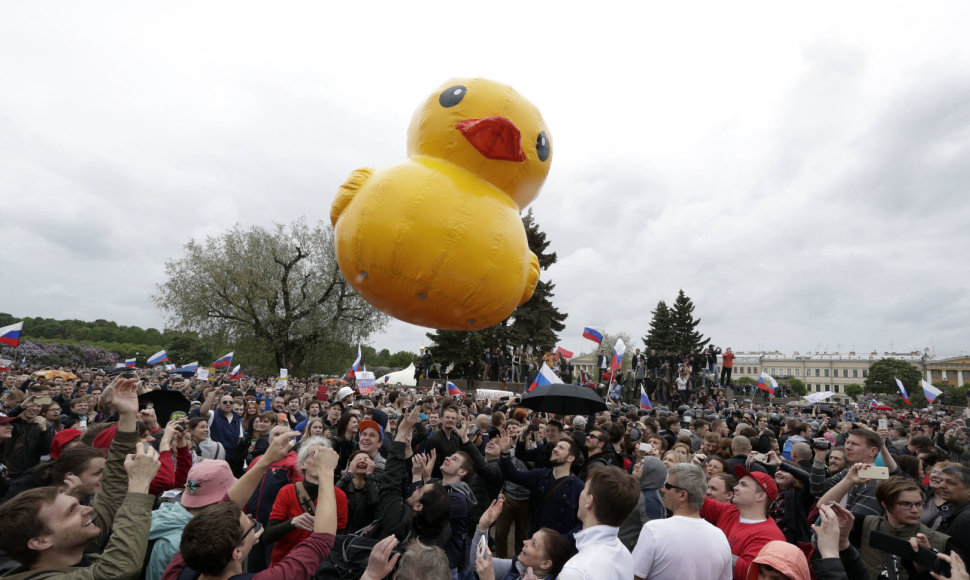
{"x": 670, "y": 549}
{"x": 607, "y": 499}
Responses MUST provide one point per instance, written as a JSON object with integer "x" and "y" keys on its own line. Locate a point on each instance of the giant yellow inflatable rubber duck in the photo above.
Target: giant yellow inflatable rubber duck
{"x": 437, "y": 241}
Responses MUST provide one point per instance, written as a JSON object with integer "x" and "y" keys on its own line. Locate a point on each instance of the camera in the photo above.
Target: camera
{"x": 820, "y": 443}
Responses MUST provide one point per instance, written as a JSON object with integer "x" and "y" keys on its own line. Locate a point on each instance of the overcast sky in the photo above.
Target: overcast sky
{"x": 801, "y": 172}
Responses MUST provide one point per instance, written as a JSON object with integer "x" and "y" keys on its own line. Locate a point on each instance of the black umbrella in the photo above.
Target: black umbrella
{"x": 168, "y": 405}
{"x": 564, "y": 399}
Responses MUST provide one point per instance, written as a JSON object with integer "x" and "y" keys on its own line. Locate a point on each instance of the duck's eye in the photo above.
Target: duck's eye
{"x": 543, "y": 147}
{"x": 452, "y": 96}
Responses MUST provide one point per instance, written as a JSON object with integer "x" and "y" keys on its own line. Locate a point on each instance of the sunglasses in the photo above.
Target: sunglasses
{"x": 669, "y": 486}
{"x": 256, "y": 529}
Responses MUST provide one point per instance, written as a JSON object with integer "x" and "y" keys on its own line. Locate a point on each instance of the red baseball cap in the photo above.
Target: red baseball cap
{"x": 766, "y": 482}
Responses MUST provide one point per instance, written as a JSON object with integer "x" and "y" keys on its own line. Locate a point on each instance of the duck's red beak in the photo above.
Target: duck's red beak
{"x": 494, "y": 137}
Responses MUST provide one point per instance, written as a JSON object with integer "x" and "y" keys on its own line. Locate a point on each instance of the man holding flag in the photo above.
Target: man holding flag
{"x": 768, "y": 384}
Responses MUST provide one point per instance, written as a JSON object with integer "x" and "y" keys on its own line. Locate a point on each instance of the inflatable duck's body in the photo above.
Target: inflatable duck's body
{"x": 437, "y": 241}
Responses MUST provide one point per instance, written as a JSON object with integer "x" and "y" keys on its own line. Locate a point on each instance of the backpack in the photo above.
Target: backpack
{"x": 349, "y": 556}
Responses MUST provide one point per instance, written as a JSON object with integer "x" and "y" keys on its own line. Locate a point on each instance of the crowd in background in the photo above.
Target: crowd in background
{"x": 292, "y": 481}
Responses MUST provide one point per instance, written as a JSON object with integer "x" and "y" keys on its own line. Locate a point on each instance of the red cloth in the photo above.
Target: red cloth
{"x": 728, "y": 359}
{"x": 287, "y": 506}
{"x": 168, "y": 476}
{"x": 300, "y": 564}
{"x": 746, "y": 540}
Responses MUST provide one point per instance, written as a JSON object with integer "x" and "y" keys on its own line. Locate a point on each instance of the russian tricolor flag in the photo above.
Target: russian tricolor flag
{"x": 235, "y": 373}
{"x": 545, "y": 376}
{"x": 929, "y": 391}
{"x": 594, "y": 334}
{"x": 902, "y": 390}
{"x": 645, "y": 400}
{"x": 191, "y": 367}
{"x": 618, "y": 351}
{"x": 160, "y": 356}
{"x": 129, "y": 362}
{"x": 453, "y": 390}
{"x": 223, "y": 361}
{"x": 11, "y": 334}
{"x": 767, "y": 383}
{"x": 356, "y": 366}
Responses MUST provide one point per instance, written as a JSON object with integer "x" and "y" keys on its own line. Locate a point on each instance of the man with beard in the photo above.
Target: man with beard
{"x": 553, "y": 491}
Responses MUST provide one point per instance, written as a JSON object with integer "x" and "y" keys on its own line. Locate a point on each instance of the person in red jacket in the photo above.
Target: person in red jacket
{"x": 291, "y": 522}
{"x": 726, "y": 366}
{"x": 746, "y": 523}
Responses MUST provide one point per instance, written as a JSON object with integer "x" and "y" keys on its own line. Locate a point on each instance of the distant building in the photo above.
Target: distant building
{"x": 951, "y": 372}
{"x": 819, "y": 371}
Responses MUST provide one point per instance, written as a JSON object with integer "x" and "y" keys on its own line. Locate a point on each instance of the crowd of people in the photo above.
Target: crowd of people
{"x": 251, "y": 478}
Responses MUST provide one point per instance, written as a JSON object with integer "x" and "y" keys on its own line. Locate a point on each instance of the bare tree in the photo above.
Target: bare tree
{"x": 280, "y": 287}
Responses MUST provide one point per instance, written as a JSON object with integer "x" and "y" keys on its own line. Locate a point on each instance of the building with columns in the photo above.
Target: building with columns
{"x": 951, "y": 372}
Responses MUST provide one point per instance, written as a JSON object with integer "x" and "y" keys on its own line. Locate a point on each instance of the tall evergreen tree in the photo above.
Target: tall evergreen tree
{"x": 686, "y": 339}
{"x": 535, "y": 324}
{"x": 660, "y": 335}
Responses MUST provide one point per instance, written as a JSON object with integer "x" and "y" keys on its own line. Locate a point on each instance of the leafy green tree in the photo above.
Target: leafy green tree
{"x": 660, "y": 336}
{"x": 798, "y": 387}
{"x": 883, "y": 374}
{"x": 280, "y": 287}
{"x": 854, "y": 390}
{"x": 185, "y": 347}
{"x": 537, "y": 323}
{"x": 686, "y": 339}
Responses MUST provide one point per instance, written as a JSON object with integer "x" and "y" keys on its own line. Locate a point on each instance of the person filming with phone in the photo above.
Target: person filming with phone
{"x": 861, "y": 447}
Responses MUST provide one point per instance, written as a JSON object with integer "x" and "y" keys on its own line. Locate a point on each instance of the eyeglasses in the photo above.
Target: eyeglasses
{"x": 592, "y": 436}
{"x": 672, "y": 486}
{"x": 909, "y": 505}
{"x": 256, "y": 529}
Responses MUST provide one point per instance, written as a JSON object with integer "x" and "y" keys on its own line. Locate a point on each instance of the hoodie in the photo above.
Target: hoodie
{"x": 651, "y": 480}
{"x": 784, "y": 557}
{"x": 168, "y": 521}
{"x": 461, "y": 496}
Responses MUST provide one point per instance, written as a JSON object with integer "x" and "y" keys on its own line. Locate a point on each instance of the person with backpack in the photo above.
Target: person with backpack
{"x": 292, "y": 519}
{"x": 217, "y": 541}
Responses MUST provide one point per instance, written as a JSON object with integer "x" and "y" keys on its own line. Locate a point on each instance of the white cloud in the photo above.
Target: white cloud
{"x": 799, "y": 171}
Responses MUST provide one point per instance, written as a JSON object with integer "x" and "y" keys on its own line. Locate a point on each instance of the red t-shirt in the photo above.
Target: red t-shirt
{"x": 746, "y": 540}
{"x": 287, "y": 506}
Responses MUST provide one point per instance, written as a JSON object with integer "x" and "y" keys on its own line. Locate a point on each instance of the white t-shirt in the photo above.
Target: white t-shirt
{"x": 681, "y": 548}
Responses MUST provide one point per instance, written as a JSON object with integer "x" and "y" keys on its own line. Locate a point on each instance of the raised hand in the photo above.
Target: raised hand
{"x": 125, "y": 396}
{"x": 504, "y": 441}
{"x": 418, "y": 463}
{"x": 281, "y": 446}
{"x": 326, "y": 459}
{"x": 141, "y": 467}
{"x": 491, "y": 514}
{"x": 382, "y": 559}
